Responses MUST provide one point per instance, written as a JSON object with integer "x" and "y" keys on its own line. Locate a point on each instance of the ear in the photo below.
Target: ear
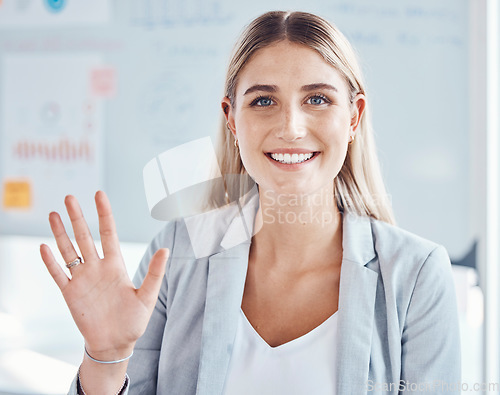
{"x": 358, "y": 107}
{"x": 227, "y": 109}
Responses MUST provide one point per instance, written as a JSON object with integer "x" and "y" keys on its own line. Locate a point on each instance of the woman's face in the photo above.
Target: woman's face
{"x": 293, "y": 119}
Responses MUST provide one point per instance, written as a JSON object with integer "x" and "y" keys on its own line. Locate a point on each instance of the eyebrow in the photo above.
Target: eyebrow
{"x": 305, "y": 88}
{"x": 321, "y": 85}
{"x": 265, "y": 88}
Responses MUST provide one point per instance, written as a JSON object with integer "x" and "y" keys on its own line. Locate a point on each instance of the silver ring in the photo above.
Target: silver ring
{"x": 74, "y": 263}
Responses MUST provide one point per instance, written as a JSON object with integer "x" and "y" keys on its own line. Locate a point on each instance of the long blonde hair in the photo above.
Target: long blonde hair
{"x": 358, "y": 187}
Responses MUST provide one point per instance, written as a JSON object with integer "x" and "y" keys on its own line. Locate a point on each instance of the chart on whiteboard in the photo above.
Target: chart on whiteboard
{"x": 51, "y": 139}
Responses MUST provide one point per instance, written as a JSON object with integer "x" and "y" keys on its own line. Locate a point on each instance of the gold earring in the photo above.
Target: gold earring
{"x": 236, "y": 142}
{"x": 352, "y": 139}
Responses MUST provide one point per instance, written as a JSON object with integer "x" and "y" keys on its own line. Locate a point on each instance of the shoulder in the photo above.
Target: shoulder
{"x": 392, "y": 239}
{"x": 164, "y": 238}
{"x": 417, "y": 280}
{"x": 365, "y": 238}
{"x": 405, "y": 255}
{"x": 399, "y": 250}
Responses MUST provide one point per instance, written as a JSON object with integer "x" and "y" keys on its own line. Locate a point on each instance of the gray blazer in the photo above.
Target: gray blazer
{"x": 398, "y": 323}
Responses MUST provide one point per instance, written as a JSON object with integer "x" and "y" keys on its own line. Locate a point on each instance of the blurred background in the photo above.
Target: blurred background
{"x": 90, "y": 91}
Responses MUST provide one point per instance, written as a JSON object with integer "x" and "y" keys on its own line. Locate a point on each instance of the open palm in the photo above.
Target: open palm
{"x": 109, "y": 311}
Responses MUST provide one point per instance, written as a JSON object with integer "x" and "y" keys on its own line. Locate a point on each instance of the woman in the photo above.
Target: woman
{"x": 304, "y": 287}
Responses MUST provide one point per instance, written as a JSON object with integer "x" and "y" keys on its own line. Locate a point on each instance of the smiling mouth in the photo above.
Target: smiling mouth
{"x": 291, "y": 159}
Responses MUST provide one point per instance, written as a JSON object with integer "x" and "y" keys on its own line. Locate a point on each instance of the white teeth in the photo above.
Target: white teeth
{"x": 293, "y": 158}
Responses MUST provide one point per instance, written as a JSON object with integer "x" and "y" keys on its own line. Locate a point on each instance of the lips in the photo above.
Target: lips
{"x": 291, "y": 150}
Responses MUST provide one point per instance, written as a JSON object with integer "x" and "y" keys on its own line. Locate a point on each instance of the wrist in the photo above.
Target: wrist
{"x": 111, "y": 355}
{"x": 110, "y": 361}
{"x": 98, "y": 378}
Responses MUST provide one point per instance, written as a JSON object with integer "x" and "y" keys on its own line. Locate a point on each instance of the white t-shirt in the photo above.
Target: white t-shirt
{"x": 305, "y": 365}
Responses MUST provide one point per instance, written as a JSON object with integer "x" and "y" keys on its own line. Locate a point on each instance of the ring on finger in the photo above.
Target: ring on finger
{"x": 74, "y": 263}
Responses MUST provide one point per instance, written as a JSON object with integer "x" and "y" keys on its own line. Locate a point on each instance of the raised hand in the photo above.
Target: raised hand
{"x": 109, "y": 311}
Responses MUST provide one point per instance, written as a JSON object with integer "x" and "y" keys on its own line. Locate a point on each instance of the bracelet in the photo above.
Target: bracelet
{"x": 106, "y": 362}
{"x": 81, "y": 391}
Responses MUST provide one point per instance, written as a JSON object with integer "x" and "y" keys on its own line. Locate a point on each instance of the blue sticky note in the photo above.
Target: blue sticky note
{"x": 55, "y": 5}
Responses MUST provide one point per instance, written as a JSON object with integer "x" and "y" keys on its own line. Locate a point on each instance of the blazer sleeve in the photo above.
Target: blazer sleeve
{"x": 431, "y": 338}
{"x": 143, "y": 366}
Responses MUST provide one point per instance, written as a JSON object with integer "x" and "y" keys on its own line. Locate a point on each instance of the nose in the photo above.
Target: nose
{"x": 293, "y": 125}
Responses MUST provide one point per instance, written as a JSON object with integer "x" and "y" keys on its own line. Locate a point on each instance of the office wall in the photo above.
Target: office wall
{"x": 89, "y": 95}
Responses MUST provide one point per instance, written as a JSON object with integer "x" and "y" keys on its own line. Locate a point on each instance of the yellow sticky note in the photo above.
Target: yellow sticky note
{"x": 16, "y": 194}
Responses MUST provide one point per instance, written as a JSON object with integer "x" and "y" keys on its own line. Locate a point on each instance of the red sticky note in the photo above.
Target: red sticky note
{"x": 103, "y": 82}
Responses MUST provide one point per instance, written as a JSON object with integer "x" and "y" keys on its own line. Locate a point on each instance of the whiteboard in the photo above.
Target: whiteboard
{"x": 157, "y": 81}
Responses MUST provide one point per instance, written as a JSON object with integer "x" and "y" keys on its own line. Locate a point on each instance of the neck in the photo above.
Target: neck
{"x": 303, "y": 230}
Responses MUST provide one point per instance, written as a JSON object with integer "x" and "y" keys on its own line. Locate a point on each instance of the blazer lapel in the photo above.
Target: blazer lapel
{"x": 358, "y": 285}
{"x": 226, "y": 281}
{"x": 227, "y": 272}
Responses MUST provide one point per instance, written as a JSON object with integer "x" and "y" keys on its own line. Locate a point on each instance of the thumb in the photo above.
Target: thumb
{"x": 148, "y": 292}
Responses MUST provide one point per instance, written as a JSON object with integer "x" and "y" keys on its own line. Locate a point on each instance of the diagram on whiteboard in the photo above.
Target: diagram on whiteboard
{"x": 51, "y": 132}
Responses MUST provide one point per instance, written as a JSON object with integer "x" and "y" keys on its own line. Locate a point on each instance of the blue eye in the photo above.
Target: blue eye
{"x": 317, "y": 100}
{"x": 262, "y": 101}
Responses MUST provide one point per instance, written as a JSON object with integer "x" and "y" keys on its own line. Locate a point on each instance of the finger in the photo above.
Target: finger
{"x": 80, "y": 229}
{"x": 64, "y": 244}
{"x": 53, "y": 267}
{"x": 107, "y": 227}
{"x": 150, "y": 287}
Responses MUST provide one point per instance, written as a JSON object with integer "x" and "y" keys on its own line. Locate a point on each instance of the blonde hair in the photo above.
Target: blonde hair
{"x": 358, "y": 187}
